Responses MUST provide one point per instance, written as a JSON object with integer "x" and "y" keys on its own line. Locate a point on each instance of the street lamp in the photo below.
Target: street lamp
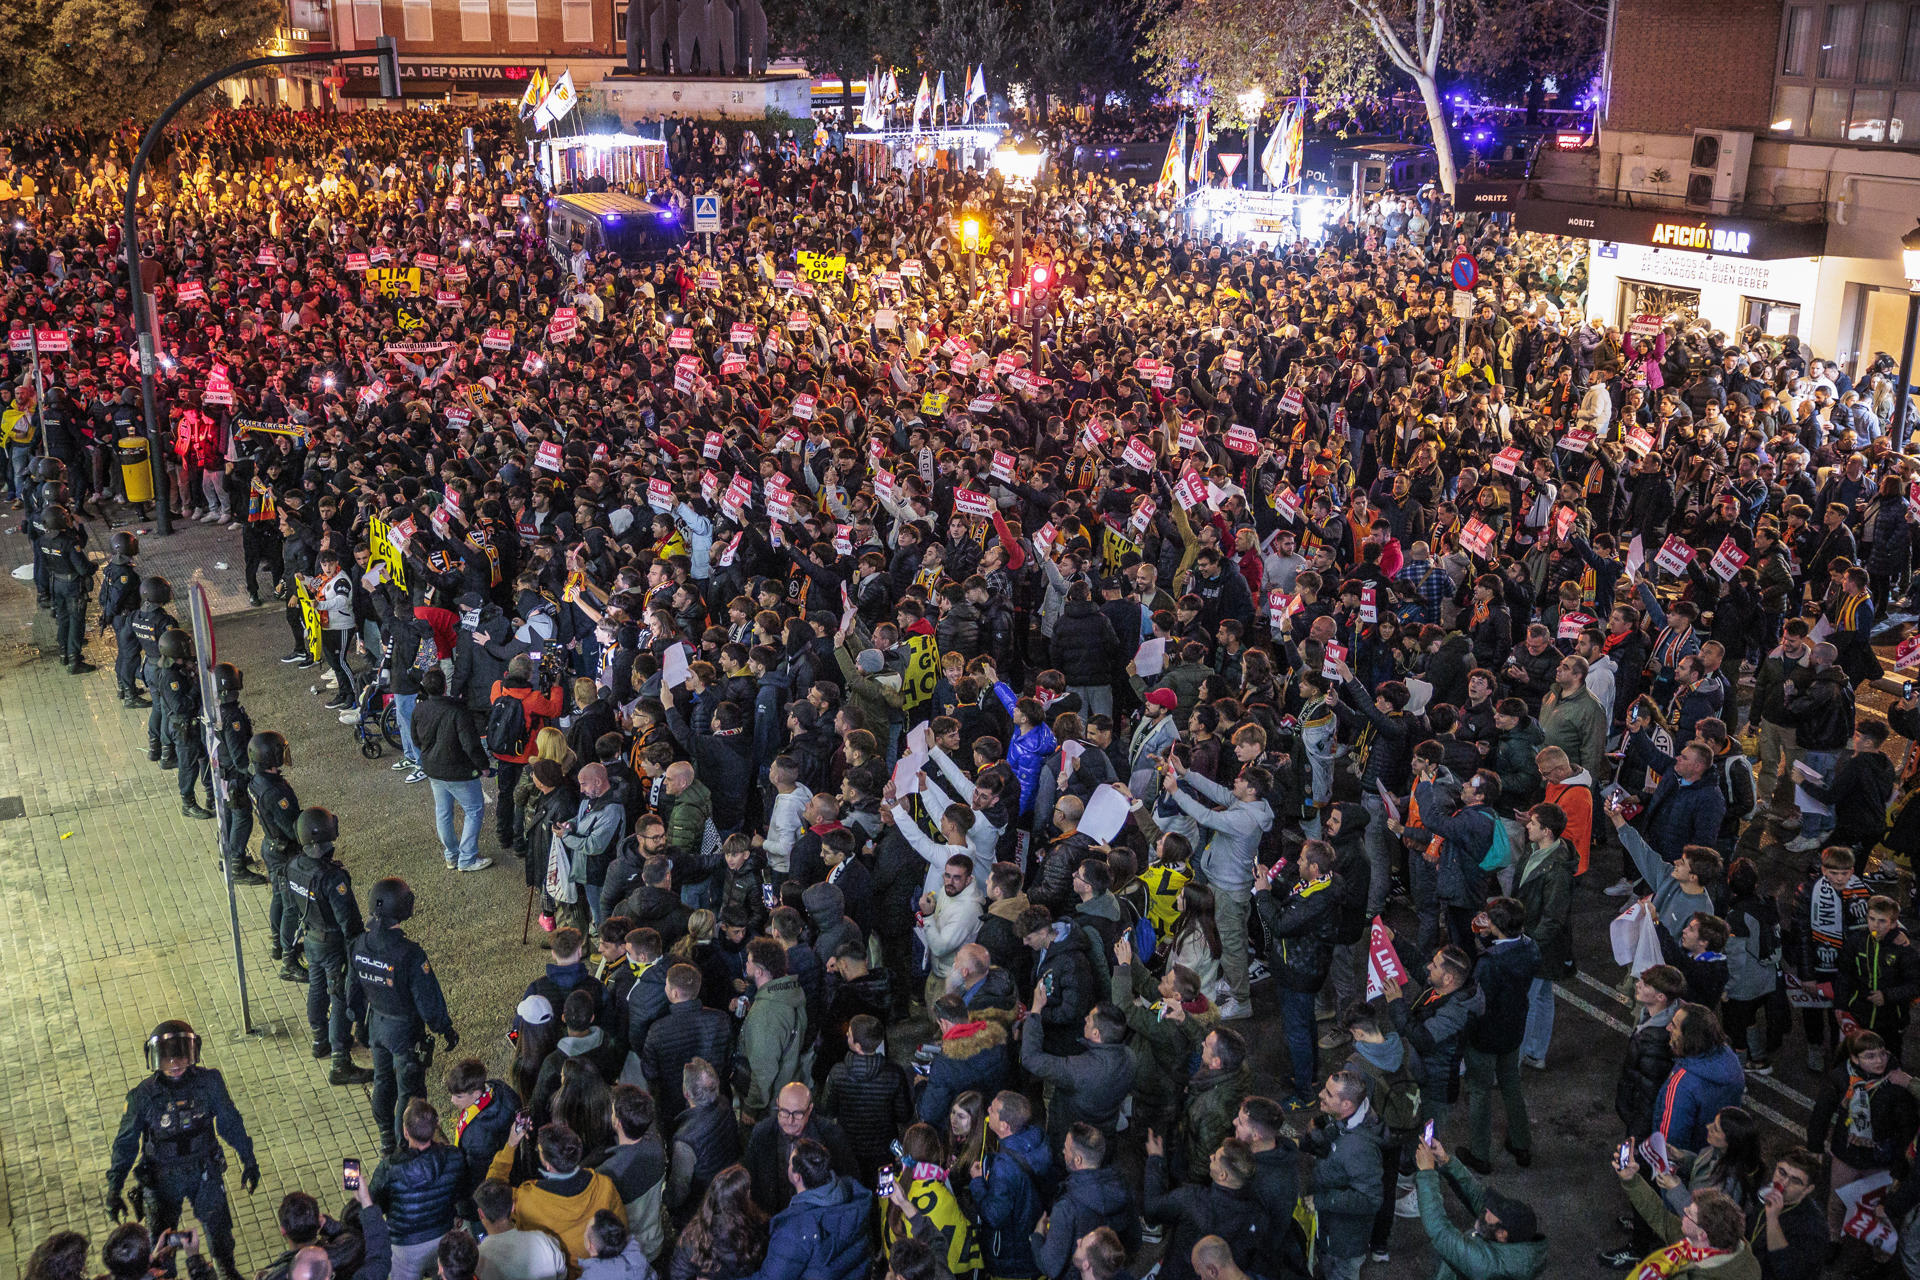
{"x": 970, "y": 241}
{"x": 1019, "y": 163}
{"x": 1250, "y": 104}
{"x": 385, "y": 49}
{"x": 1909, "y": 267}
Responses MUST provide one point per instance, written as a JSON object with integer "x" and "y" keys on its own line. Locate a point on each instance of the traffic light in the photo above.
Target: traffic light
{"x": 1015, "y": 299}
{"x": 1040, "y": 276}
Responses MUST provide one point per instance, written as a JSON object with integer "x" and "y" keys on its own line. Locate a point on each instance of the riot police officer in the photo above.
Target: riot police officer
{"x": 232, "y": 733}
{"x": 178, "y": 695}
{"x": 119, "y": 598}
{"x": 395, "y": 985}
{"x": 277, "y": 810}
{"x": 322, "y": 892}
{"x": 149, "y": 623}
{"x": 167, "y": 1141}
{"x": 70, "y": 580}
{"x": 50, "y": 491}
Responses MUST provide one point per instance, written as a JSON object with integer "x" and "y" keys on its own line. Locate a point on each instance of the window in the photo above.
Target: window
{"x": 366, "y": 19}
{"x": 1850, "y": 72}
{"x": 476, "y": 25}
{"x": 523, "y": 21}
{"x": 576, "y": 21}
{"x": 418, "y": 16}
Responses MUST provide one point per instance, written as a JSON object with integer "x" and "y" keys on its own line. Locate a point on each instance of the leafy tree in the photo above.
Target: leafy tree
{"x": 1509, "y": 48}
{"x": 970, "y": 33}
{"x": 94, "y": 63}
{"x": 846, "y": 37}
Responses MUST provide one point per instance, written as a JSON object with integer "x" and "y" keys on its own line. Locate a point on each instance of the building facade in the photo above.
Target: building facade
{"x": 1757, "y": 163}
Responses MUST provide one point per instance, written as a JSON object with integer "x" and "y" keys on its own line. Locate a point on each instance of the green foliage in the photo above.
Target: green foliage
{"x": 1224, "y": 47}
{"x": 94, "y": 63}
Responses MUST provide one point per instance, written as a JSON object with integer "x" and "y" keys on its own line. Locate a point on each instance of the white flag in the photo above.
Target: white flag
{"x": 1273, "y": 157}
{"x": 558, "y": 102}
{"x": 977, "y": 91}
{"x": 939, "y": 97}
{"x": 922, "y": 100}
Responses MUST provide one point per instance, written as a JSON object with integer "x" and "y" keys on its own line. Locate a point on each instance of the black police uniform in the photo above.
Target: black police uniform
{"x": 119, "y": 601}
{"x": 70, "y": 581}
{"x": 178, "y": 696}
{"x": 167, "y": 1141}
{"x": 232, "y": 731}
{"x": 322, "y": 893}
{"x": 395, "y": 984}
{"x": 277, "y": 810}
{"x": 148, "y": 624}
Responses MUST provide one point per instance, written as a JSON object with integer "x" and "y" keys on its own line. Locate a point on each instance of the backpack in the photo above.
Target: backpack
{"x": 1146, "y": 941}
{"x": 427, "y": 656}
{"x": 1499, "y": 853}
{"x": 506, "y": 733}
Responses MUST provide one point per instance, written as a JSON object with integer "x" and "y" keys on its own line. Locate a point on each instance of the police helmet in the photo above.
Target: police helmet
{"x": 175, "y": 644}
{"x": 170, "y": 1042}
{"x": 227, "y": 679}
{"x": 318, "y": 826}
{"x": 156, "y": 590}
{"x": 392, "y": 900}
{"x": 125, "y": 544}
{"x": 56, "y": 520}
{"x": 48, "y": 468}
{"x": 267, "y": 750}
{"x": 53, "y": 494}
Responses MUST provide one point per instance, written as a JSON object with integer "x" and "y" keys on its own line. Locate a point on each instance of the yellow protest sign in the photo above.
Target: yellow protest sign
{"x": 394, "y": 282}
{"x": 309, "y": 618}
{"x": 1114, "y": 548}
{"x": 408, "y": 321}
{"x": 923, "y": 672}
{"x": 934, "y": 403}
{"x": 382, "y": 549}
{"x": 823, "y": 268}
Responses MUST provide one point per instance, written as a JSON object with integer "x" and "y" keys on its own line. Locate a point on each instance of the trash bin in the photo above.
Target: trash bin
{"x": 135, "y": 472}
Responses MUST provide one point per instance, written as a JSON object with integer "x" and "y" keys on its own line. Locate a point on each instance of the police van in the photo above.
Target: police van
{"x": 612, "y": 222}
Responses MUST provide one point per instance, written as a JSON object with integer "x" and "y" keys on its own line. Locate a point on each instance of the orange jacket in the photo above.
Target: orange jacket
{"x": 538, "y": 708}
{"x": 1576, "y": 802}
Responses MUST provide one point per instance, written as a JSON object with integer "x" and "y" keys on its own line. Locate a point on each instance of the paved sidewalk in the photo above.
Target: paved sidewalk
{"x": 118, "y": 919}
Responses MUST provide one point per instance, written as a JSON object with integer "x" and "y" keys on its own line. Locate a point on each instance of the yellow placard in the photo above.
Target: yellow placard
{"x": 394, "y": 282}
{"x": 309, "y": 618}
{"x": 823, "y": 268}
{"x": 1114, "y": 548}
{"x": 382, "y": 549}
{"x": 934, "y": 402}
{"x": 923, "y": 672}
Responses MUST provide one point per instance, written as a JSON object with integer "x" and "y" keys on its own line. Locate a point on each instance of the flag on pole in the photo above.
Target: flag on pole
{"x": 977, "y": 91}
{"x": 1171, "y": 170}
{"x": 872, "y": 112}
{"x": 922, "y": 100}
{"x": 1296, "y": 143}
{"x": 940, "y": 98}
{"x": 1197, "y": 162}
{"x": 559, "y": 101}
{"x": 1272, "y": 158}
{"x": 536, "y": 91}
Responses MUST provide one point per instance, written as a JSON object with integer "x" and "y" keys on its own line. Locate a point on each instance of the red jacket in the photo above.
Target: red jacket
{"x": 538, "y": 708}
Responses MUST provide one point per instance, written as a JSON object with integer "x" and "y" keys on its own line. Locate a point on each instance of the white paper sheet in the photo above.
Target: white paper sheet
{"x": 1151, "y": 658}
{"x": 1105, "y": 814}
{"x": 906, "y": 779}
{"x": 673, "y": 666}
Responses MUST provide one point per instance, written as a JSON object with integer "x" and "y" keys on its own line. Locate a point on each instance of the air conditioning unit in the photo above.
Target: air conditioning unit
{"x": 1717, "y": 169}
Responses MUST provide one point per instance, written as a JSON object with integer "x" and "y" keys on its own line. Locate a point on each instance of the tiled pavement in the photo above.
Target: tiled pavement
{"x": 117, "y": 918}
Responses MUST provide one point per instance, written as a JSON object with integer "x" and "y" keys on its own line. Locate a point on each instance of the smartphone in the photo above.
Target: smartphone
{"x": 1906, "y": 691}
{"x": 524, "y": 1119}
{"x": 770, "y": 896}
{"x": 1426, "y": 1134}
{"x": 1623, "y": 1155}
{"x": 899, "y": 1152}
{"x": 350, "y": 1174}
{"x": 884, "y": 1187}
{"x": 173, "y": 1239}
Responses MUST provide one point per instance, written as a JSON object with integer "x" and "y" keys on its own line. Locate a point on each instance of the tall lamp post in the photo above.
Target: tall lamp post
{"x": 1910, "y": 267}
{"x": 389, "y": 55}
{"x": 1251, "y": 103}
{"x": 970, "y": 241}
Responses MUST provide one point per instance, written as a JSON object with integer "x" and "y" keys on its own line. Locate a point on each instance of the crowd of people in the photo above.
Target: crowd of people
{"x": 933, "y": 729}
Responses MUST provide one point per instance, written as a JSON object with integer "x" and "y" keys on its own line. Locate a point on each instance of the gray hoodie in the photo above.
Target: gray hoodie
{"x": 1234, "y": 843}
{"x": 628, "y": 1264}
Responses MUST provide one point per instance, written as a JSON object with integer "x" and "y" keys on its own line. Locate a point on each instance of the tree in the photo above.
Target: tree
{"x": 94, "y": 63}
{"x": 971, "y": 33}
{"x": 1509, "y": 48}
{"x": 846, "y": 37}
{"x": 1338, "y": 45}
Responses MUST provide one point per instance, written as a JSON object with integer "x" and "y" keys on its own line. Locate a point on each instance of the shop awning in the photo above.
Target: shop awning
{"x": 1678, "y": 229}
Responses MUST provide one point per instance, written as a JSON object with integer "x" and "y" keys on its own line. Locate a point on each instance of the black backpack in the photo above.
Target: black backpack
{"x": 506, "y": 733}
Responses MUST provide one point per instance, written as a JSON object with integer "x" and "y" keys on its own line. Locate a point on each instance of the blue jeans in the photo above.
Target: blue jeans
{"x": 1819, "y": 825}
{"x": 403, "y": 712}
{"x": 1539, "y": 1020}
{"x": 1379, "y": 844}
{"x": 471, "y": 796}
{"x": 1296, "y": 1017}
{"x": 20, "y": 458}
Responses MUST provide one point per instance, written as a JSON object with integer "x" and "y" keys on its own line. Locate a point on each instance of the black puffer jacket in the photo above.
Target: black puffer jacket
{"x": 1643, "y": 1071}
{"x": 1352, "y": 874}
{"x": 871, "y": 1098}
{"x": 1084, "y": 648}
{"x": 1067, "y": 968}
{"x": 418, "y": 1191}
{"x": 1300, "y": 934}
